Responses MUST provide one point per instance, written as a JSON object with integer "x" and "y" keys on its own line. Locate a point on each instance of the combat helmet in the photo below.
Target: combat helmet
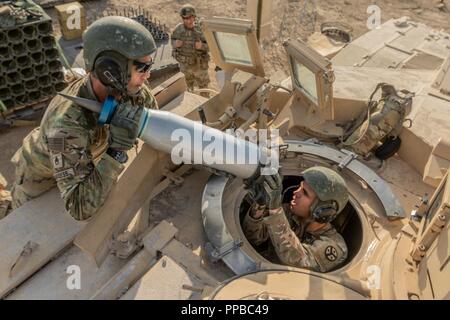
{"x": 331, "y": 191}
{"x": 111, "y": 44}
{"x": 187, "y": 10}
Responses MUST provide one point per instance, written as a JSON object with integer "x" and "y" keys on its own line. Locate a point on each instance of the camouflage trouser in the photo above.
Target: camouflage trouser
{"x": 28, "y": 185}
{"x": 195, "y": 75}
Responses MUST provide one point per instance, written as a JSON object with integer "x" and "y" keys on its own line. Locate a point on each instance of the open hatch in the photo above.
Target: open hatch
{"x": 312, "y": 77}
{"x": 233, "y": 44}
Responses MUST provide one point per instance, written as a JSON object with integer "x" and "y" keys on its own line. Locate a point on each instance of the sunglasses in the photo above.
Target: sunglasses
{"x": 143, "y": 67}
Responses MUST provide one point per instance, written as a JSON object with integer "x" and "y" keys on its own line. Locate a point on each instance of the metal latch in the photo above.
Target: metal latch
{"x": 217, "y": 254}
{"x": 346, "y": 161}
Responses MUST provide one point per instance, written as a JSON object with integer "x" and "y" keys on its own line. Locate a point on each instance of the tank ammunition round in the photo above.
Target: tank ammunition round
{"x": 29, "y": 32}
{"x": 44, "y": 81}
{"x": 23, "y": 61}
{"x": 17, "y": 89}
{"x": 4, "y": 93}
{"x": 15, "y": 36}
{"x": 27, "y": 73}
{"x": 31, "y": 84}
{"x": 34, "y": 45}
{"x": 40, "y": 69}
{"x": 45, "y": 28}
{"x": 48, "y": 42}
{"x": 19, "y": 49}
{"x": 37, "y": 57}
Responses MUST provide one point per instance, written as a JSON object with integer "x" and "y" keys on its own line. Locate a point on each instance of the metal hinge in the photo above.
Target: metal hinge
{"x": 217, "y": 254}
{"x": 347, "y": 160}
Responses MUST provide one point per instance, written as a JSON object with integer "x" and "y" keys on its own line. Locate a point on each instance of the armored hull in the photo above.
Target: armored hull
{"x": 184, "y": 238}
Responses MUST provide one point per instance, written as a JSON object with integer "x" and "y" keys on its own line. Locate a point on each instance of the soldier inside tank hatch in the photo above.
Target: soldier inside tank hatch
{"x": 300, "y": 233}
{"x": 191, "y": 50}
{"x": 70, "y": 149}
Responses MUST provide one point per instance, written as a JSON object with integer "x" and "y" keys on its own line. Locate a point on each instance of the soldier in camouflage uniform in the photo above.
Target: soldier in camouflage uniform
{"x": 5, "y": 198}
{"x": 191, "y": 50}
{"x": 70, "y": 149}
{"x": 301, "y": 233}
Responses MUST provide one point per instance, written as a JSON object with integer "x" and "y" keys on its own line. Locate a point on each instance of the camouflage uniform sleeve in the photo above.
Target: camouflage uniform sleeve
{"x": 322, "y": 255}
{"x": 176, "y": 33}
{"x": 254, "y": 229}
{"x": 173, "y": 37}
{"x": 149, "y": 99}
{"x": 84, "y": 186}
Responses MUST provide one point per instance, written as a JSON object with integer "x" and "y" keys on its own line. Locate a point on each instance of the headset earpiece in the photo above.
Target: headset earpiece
{"x": 110, "y": 73}
{"x": 325, "y": 212}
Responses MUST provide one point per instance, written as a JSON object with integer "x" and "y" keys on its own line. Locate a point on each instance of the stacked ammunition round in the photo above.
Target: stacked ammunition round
{"x": 30, "y": 68}
{"x": 156, "y": 29}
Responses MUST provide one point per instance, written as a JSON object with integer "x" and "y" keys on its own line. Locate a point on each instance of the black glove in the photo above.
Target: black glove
{"x": 267, "y": 190}
{"x": 119, "y": 156}
{"x": 124, "y": 126}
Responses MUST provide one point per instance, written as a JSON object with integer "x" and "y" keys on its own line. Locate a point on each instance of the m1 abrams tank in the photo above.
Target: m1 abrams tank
{"x": 173, "y": 232}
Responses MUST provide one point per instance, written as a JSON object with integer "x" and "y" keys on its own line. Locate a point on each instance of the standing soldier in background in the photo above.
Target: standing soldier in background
{"x": 5, "y": 198}
{"x": 191, "y": 50}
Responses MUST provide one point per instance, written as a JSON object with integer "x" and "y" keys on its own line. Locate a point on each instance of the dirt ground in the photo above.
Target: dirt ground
{"x": 291, "y": 19}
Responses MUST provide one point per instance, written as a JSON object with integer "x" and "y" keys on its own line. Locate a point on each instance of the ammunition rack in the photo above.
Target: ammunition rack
{"x": 30, "y": 68}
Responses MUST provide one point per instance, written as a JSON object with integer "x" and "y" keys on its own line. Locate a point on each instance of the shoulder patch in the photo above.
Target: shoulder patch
{"x": 331, "y": 253}
{"x": 57, "y": 160}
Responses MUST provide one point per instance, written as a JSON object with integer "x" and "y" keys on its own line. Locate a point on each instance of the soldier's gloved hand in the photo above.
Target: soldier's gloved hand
{"x": 118, "y": 155}
{"x": 198, "y": 45}
{"x": 124, "y": 126}
{"x": 268, "y": 190}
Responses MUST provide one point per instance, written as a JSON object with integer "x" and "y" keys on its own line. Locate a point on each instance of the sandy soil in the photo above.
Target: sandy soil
{"x": 292, "y": 19}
